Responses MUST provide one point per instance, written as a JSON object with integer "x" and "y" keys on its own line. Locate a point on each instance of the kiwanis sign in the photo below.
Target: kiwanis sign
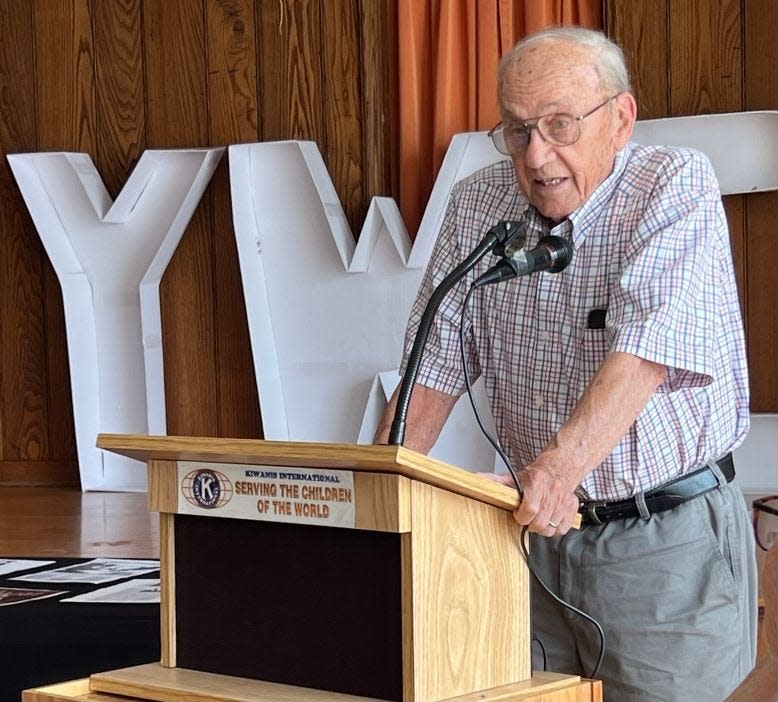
{"x": 268, "y": 493}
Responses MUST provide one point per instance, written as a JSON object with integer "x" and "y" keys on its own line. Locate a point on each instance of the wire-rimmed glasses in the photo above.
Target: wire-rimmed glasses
{"x": 557, "y": 128}
{"x": 766, "y": 521}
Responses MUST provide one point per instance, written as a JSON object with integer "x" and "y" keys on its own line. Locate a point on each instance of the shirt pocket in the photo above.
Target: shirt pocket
{"x": 584, "y": 356}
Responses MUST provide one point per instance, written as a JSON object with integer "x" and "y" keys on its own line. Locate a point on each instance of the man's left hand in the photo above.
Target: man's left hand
{"x": 548, "y": 508}
{"x": 549, "y": 505}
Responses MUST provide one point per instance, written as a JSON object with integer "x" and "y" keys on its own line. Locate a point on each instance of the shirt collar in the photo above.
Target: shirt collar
{"x": 587, "y": 213}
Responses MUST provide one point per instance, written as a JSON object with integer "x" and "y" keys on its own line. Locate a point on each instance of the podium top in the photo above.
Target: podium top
{"x": 396, "y": 460}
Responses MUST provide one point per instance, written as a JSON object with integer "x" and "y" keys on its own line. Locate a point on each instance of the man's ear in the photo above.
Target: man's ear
{"x": 626, "y": 114}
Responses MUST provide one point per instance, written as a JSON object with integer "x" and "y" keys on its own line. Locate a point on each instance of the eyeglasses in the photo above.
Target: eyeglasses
{"x": 766, "y": 521}
{"x": 557, "y": 128}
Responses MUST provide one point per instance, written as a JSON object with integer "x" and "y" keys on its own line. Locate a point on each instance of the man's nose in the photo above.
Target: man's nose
{"x": 538, "y": 151}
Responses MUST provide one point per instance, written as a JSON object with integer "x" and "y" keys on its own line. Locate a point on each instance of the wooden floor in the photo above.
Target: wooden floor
{"x": 64, "y": 522}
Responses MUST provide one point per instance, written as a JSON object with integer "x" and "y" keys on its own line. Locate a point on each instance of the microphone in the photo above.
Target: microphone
{"x": 553, "y": 254}
{"x": 501, "y": 237}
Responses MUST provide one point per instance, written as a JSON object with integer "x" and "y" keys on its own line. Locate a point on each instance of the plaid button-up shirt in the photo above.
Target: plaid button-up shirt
{"x": 651, "y": 249}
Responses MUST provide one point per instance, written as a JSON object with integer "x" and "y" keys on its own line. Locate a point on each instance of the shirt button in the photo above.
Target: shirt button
{"x": 538, "y": 401}
{"x": 544, "y": 336}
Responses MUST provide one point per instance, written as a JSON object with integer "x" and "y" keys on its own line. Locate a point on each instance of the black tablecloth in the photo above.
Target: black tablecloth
{"x": 48, "y": 641}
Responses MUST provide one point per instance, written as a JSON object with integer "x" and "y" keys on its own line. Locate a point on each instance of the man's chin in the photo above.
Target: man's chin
{"x": 554, "y": 213}
{"x": 555, "y": 206}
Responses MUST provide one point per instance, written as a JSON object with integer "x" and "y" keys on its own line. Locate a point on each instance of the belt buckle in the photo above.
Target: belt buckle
{"x": 591, "y": 510}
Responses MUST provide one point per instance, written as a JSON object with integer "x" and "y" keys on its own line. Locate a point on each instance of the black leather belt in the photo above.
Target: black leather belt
{"x": 661, "y": 498}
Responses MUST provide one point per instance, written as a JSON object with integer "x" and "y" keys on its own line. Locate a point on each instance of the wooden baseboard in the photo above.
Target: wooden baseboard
{"x": 39, "y": 473}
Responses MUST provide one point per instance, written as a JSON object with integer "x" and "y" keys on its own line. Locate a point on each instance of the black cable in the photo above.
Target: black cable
{"x": 559, "y": 600}
{"x": 495, "y": 443}
{"x": 535, "y": 637}
{"x": 492, "y": 440}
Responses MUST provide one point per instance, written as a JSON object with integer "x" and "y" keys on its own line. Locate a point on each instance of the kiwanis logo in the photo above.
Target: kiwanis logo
{"x": 206, "y": 488}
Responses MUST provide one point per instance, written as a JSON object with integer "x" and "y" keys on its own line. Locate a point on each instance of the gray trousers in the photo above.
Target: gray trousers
{"x": 676, "y": 595}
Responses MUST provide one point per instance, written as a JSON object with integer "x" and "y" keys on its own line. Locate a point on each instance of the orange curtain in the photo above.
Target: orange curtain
{"x": 448, "y": 56}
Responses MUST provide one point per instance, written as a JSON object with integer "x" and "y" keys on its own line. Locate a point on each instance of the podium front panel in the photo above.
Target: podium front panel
{"x": 310, "y": 606}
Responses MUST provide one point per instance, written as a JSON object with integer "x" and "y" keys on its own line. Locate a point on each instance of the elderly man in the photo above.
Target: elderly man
{"x": 618, "y": 386}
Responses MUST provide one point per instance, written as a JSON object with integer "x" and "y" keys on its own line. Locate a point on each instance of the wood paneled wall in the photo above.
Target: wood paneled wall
{"x": 115, "y": 77}
{"x": 702, "y": 56}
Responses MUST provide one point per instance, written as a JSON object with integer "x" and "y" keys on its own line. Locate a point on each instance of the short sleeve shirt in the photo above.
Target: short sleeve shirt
{"x": 651, "y": 275}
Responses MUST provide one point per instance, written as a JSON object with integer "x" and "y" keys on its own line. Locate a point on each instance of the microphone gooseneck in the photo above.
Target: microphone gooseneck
{"x": 500, "y": 235}
{"x": 553, "y": 254}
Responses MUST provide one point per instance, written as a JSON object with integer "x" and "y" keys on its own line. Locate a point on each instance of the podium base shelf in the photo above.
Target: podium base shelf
{"x": 155, "y": 683}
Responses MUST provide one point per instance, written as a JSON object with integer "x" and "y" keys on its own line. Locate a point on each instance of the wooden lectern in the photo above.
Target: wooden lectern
{"x": 329, "y": 573}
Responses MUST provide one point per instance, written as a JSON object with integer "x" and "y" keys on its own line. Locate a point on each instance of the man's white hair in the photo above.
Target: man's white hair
{"x": 608, "y": 58}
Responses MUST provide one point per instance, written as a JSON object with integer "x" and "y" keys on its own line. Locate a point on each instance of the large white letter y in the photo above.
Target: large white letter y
{"x": 109, "y": 258}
